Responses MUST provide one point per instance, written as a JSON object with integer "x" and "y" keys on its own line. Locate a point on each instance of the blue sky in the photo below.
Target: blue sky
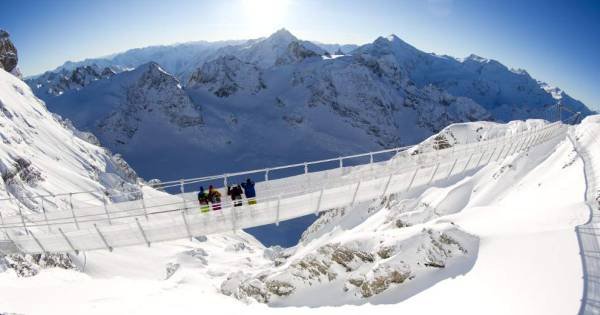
{"x": 555, "y": 41}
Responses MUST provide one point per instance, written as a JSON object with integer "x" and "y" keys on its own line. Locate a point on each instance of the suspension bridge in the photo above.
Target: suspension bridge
{"x": 160, "y": 217}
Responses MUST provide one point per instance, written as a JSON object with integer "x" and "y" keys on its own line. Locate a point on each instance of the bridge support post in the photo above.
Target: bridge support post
{"x": 267, "y": 175}
{"x": 187, "y": 227}
{"x": 412, "y": 179}
{"x": 37, "y": 242}
{"x": 278, "y": 208}
{"x": 518, "y": 146}
{"x": 22, "y": 218}
{"x": 536, "y": 139}
{"x": 305, "y": 168}
{"x": 73, "y": 210}
{"x": 68, "y": 241}
{"x": 142, "y": 231}
{"x": 319, "y": 202}
{"x": 480, "y": 158}
{"x": 525, "y": 138}
{"x": 182, "y": 189}
{"x": 110, "y": 249}
{"x": 387, "y": 184}
{"x": 452, "y": 168}
{"x": 508, "y": 151}
{"x": 434, "y": 172}
{"x": 105, "y": 202}
{"x": 523, "y": 143}
{"x": 546, "y": 136}
{"x": 500, "y": 153}
{"x": 355, "y": 193}
{"x": 491, "y": 155}
{"x": 341, "y": 162}
{"x": 45, "y": 214}
{"x": 144, "y": 203}
{"x": 468, "y": 161}
{"x": 530, "y": 140}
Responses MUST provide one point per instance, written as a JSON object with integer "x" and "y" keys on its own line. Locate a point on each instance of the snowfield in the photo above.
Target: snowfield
{"x": 499, "y": 240}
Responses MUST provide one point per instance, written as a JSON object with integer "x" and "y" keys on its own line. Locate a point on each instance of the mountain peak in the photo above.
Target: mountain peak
{"x": 393, "y": 38}
{"x": 282, "y": 35}
{"x": 477, "y": 58}
{"x": 153, "y": 68}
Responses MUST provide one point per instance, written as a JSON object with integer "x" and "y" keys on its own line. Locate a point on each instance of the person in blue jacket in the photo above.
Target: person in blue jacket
{"x": 249, "y": 191}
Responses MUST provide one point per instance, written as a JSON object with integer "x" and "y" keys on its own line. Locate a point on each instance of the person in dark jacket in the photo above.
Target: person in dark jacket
{"x": 214, "y": 196}
{"x": 236, "y": 194}
{"x": 203, "y": 200}
{"x": 249, "y": 191}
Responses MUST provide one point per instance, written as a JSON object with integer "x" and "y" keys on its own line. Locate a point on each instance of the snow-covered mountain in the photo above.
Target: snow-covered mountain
{"x": 56, "y": 83}
{"x": 43, "y": 155}
{"x": 506, "y": 93}
{"x": 264, "y": 101}
{"x": 179, "y": 59}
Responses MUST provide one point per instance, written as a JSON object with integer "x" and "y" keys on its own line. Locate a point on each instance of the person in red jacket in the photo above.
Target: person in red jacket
{"x": 214, "y": 196}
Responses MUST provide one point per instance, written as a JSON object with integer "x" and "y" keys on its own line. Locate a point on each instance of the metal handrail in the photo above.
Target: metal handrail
{"x": 68, "y": 212}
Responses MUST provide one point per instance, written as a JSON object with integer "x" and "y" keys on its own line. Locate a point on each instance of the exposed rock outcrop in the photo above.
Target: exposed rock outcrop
{"x": 227, "y": 75}
{"x": 8, "y": 52}
{"x": 360, "y": 269}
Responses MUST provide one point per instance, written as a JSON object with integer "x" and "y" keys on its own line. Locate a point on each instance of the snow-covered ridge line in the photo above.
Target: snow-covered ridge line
{"x": 585, "y": 141}
{"x": 178, "y": 217}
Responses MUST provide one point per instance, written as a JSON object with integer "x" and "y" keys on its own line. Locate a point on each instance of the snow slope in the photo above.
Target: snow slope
{"x": 515, "y": 217}
{"x": 44, "y": 158}
{"x": 42, "y": 154}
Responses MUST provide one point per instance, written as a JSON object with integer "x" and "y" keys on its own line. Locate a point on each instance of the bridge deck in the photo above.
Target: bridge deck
{"x": 170, "y": 217}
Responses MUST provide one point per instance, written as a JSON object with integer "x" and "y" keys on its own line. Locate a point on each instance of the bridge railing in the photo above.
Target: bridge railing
{"x": 178, "y": 216}
{"x": 268, "y": 188}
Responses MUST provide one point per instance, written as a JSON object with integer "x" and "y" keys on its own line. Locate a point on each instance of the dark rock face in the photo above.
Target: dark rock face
{"x": 8, "y": 52}
{"x": 26, "y": 265}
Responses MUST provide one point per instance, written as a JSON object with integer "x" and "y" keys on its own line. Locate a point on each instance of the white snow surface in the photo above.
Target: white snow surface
{"x": 516, "y": 217}
{"x": 42, "y": 154}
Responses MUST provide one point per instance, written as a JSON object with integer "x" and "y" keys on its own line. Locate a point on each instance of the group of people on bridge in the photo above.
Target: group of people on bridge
{"x": 212, "y": 197}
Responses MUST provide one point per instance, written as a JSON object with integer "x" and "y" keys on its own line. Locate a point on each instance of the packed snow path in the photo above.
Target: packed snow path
{"x": 586, "y": 139}
{"x": 170, "y": 217}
